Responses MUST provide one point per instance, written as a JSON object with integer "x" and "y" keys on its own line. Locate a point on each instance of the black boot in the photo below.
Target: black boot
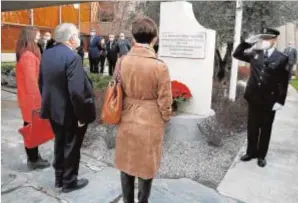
{"x": 144, "y": 190}
{"x": 127, "y": 184}
{"x": 40, "y": 163}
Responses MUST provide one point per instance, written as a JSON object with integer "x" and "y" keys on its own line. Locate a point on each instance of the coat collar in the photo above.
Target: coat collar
{"x": 142, "y": 50}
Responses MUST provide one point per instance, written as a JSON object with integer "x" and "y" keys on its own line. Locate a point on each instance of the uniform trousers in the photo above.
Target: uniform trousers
{"x": 259, "y": 127}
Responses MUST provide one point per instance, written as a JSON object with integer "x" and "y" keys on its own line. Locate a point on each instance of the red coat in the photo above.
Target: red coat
{"x": 27, "y": 72}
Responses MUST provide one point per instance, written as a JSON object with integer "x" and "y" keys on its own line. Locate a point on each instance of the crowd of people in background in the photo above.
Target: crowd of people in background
{"x": 100, "y": 50}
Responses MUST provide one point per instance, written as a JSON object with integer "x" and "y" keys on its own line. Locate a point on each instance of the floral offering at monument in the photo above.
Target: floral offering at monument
{"x": 180, "y": 93}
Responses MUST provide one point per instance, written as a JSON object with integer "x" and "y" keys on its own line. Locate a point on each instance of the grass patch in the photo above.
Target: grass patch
{"x": 294, "y": 83}
{"x": 6, "y": 67}
{"x": 86, "y": 62}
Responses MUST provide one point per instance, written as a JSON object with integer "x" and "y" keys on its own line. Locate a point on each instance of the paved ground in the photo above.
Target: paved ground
{"x": 278, "y": 181}
{"x": 18, "y": 185}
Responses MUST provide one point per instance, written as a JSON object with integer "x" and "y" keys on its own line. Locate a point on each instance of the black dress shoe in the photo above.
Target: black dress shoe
{"x": 39, "y": 164}
{"x": 247, "y": 157}
{"x": 262, "y": 162}
{"x": 58, "y": 184}
{"x": 79, "y": 184}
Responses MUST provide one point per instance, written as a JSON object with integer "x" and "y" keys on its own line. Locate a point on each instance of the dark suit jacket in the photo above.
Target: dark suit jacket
{"x": 268, "y": 82}
{"x": 65, "y": 88}
{"x": 93, "y": 47}
{"x": 112, "y": 52}
{"x": 123, "y": 47}
{"x": 292, "y": 54}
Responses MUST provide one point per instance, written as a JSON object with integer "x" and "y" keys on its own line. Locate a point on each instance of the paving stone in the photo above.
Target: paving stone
{"x": 28, "y": 195}
{"x": 277, "y": 182}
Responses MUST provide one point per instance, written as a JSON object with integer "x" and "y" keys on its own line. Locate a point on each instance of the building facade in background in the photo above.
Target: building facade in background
{"x": 105, "y": 17}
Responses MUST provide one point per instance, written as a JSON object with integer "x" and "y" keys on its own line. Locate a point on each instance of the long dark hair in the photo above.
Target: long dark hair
{"x": 26, "y": 42}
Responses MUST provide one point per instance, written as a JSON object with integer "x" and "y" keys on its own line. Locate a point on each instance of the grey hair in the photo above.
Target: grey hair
{"x": 64, "y": 32}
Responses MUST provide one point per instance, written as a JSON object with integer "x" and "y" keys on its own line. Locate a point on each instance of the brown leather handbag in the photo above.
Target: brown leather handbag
{"x": 112, "y": 105}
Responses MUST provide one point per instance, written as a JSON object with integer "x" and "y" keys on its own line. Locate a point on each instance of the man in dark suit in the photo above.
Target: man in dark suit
{"x": 94, "y": 51}
{"x": 265, "y": 92}
{"x": 291, "y": 52}
{"x": 68, "y": 102}
{"x": 80, "y": 49}
{"x": 112, "y": 53}
{"x": 46, "y": 42}
{"x": 123, "y": 45}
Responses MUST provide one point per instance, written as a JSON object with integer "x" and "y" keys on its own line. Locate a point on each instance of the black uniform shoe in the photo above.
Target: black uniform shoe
{"x": 247, "y": 157}
{"x": 79, "y": 184}
{"x": 39, "y": 164}
{"x": 262, "y": 162}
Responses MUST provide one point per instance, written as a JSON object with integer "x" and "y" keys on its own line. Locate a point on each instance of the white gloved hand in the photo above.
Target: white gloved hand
{"x": 253, "y": 39}
{"x": 277, "y": 107}
{"x": 80, "y": 124}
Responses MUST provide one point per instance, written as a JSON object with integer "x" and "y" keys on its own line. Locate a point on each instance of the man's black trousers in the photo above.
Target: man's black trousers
{"x": 259, "y": 127}
{"x": 68, "y": 142}
{"x": 94, "y": 62}
{"x": 112, "y": 64}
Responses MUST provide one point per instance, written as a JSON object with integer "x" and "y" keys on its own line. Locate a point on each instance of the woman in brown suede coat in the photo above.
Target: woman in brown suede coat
{"x": 147, "y": 107}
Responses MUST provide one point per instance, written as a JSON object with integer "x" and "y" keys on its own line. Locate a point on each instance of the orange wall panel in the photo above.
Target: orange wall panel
{"x": 46, "y": 17}
{"x": 70, "y": 14}
{"x": 9, "y": 37}
{"x": 85, "y": 12}
{"x": 18, "y": 17}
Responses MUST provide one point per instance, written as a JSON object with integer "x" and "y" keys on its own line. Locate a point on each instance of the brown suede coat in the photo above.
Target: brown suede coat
{"x": 147, "y": 106}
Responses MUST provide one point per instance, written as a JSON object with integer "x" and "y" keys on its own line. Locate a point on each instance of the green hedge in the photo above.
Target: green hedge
{"x": 6, "y": 67}
{"x": 99, "y": 82}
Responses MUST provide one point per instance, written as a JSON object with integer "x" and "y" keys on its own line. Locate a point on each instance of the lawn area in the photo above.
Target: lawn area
{"x": 294, "y": 83}
{"x": 99, "y": 82}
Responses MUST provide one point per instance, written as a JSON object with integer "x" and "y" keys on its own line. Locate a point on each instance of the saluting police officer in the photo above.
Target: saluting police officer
{"x": 265, "y": 92}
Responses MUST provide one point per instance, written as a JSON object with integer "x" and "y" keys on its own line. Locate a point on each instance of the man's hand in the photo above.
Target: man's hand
{"x": 277, "y": 107}
{"x": 80, "y": 124}
{"x": 253, "y": 39}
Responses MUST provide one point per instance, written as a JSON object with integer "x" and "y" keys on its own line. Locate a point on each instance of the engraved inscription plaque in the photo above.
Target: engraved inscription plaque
{"x": 182, "y": 45}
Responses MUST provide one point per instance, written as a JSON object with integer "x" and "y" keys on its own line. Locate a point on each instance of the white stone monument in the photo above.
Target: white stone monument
{"x": 188, "y": 50}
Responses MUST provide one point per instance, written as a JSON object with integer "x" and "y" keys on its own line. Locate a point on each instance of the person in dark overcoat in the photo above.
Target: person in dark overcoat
{"x": 112, "y": 53}
{"x": 68, "y": 101}
{"x": 265, "y": 92}
{"x": 291, "y": 52}
{"x": 94, "y": 51}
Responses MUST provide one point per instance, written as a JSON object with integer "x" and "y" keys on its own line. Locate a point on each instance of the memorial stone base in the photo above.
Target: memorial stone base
{"x": 184, "y": 127}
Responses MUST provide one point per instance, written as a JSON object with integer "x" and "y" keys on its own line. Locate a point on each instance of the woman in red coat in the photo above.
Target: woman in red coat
{"x": 29, "y": 98}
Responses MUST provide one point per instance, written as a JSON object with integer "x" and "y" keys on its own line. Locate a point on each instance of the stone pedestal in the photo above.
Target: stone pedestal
{"x": 184, "y": 127}
{"x": 188, "y": 49}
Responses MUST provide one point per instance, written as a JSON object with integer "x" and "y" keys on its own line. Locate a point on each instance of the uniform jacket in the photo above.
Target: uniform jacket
{"x": 112, "y": 51}
{"x": 147, "y": 106}
{"x": 292, "y": 54}
{"x": 123, "y": 47}
{"x": 93, "y": 47}
{"x": 27, "y": 71}
{"x": 268, "y": 82}
{"x": 65, "y": 88}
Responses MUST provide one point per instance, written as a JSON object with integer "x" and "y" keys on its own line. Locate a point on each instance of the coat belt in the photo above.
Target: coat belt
{"x": 146, "y": 102}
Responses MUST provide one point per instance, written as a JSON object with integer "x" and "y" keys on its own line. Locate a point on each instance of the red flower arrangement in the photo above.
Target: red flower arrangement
{"x": 180, "y": 93}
